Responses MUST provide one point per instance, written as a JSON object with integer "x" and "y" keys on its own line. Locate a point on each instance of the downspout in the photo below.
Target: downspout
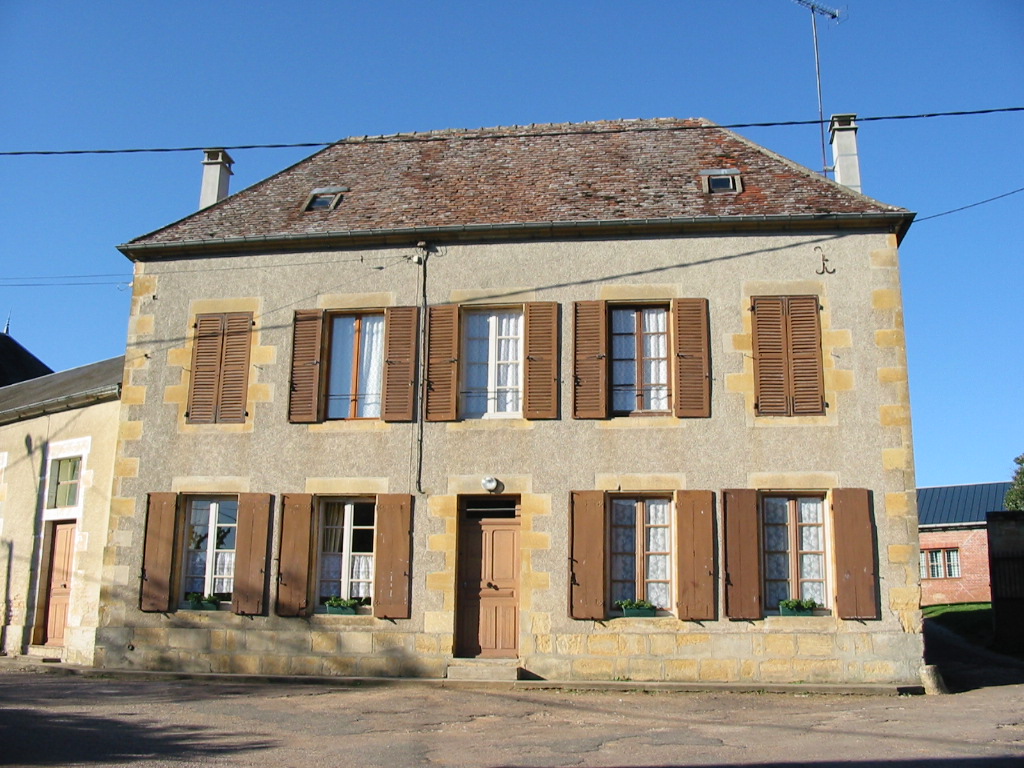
{"x": 421, "y": 259}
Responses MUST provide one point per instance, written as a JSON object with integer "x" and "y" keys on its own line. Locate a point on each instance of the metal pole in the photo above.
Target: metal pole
{"x": 821, "y": 109}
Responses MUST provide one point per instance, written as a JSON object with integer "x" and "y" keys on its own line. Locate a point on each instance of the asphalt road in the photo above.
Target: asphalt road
{"x": 58, "y": 720}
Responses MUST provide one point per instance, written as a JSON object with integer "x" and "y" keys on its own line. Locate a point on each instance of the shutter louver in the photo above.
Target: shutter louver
{"x": 693, "y": 358}
{"x": 296, "y": 555}
{"x": 742, "y": 555}
{"x": 806, "y": 375}
{"x": 251, "y": 538}
{"x": 234, "y": 377}
{"x": 856, "y": 574}
{"x": 587, "y": 556}
{"x": 770, "y": 360}
{"x": 541, "y": 365}
{"x": 590, "y": 361}
{"x": 158, "y": 553}
{"x": 207, "y": 350}
{"x": 307, "y": 350}
{"x": 400, "y": 346}
{"x": 695, "y": 553}
{"x": 392, "y": 579}
{"x": 442, "y": 363}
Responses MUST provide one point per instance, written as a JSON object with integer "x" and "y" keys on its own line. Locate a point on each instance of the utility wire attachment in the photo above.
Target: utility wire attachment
{"x": 818, "y": 8}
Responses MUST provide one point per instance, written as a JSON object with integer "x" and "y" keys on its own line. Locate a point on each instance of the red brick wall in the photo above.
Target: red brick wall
{"x": 973, "y": 584}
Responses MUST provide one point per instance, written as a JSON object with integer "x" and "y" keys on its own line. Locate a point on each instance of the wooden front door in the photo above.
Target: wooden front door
{"x": 58, "y": 593}
{"x": 487, "y": 618}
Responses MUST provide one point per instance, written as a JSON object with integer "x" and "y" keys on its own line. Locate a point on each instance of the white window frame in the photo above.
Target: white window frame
{"x": 209, "y": 576}
{"x": 78, "y": 447}
{"x": 943, "y": 558}
{"x": 348, "y": 525}
{"x": 491, "y": 390}
{"x": 640, "y": 551}
{"x": 792, "y": 522}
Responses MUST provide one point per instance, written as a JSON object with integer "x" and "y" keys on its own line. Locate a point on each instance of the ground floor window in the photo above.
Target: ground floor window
{"x": 940, "y": 564}
{"x": 346, "y": 549}
{"x": 640, "y": 536}
{"x": 209, "y": 567}
{"x": 793, "y": 536}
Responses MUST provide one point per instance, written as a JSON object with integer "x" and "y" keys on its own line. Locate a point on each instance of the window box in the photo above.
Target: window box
{"x": 344, "y": 610}
{"x": 198, "y": 602}
{"x": 797, "y": 607}
{"x": 636, "y": 608}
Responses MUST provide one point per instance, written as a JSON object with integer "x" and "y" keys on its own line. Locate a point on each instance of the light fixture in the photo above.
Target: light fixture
{"x": 490, "y": 484}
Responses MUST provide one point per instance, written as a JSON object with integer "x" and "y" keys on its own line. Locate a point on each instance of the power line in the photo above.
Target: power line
{"x": 972, "y": 205}
{"x": 439, "y": 136}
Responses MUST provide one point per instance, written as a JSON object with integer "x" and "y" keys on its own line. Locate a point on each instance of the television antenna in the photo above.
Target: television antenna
{"x": 817, "y": 9}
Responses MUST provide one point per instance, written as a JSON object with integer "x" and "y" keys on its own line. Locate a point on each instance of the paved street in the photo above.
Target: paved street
{"x": 58, "y": 720}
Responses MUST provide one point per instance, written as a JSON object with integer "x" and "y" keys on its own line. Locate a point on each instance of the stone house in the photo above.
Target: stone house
{"x": 489, "y": 383}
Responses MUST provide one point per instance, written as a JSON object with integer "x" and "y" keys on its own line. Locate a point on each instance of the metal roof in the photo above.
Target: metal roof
{"x": 959, "y": 504}
{"x": 61, "y": 391}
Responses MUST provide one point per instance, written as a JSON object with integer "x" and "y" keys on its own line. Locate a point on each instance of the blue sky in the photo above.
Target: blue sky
{"x": 112, "y": 75}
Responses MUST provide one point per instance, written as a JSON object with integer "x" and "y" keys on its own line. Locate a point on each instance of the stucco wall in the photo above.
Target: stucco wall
{"x": 863, "y": 441}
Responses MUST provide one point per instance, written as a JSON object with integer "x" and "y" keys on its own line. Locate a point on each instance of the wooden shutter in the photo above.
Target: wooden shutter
{"x": 856, "y": 575}
{"x": 158, "y": 555}
{"x": 443, "y": 363}
{"x": 771, "y": 365}
{"x": 234, "y": 377}
{"x": 207, "y": 351}
{"x": 590, "y": 360}
{"x": 392, "y": 553}
{"x": 296, "y": 554}
{"x": 251, "y": 538}
{"x": 804, "y": 342}
{"x": 541, "y": 367}
{"x": 695, "y": 553}
{"x": 693, "y": 358}
{"x": 587, "y": 556}
{"x": 304, "y": 404}
{"x": 742, "y": 555}
{"x": 400, "y": 344}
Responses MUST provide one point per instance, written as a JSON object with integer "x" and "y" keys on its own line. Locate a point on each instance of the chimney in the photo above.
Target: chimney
{"x": 843, "y": 139}
{"x": 216, "y": 173}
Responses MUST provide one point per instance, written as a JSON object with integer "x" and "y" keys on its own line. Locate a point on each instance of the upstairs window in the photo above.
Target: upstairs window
{"x": 640, "y": 362}
{"x": 788, "y": 375}
{"x": 493, "y": 354}
{"x": 356, "y": 368}
{"x": 65, "y": 476}
{"x": 220, "y": 368}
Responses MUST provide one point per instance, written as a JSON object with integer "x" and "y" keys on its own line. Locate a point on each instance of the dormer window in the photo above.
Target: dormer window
{"x": 324, "y": 198}
{"x": 721, "y": 181}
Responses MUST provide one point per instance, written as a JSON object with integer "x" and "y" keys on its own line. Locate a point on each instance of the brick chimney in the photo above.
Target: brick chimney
{"x": 845, "y": 161}
{"x": 216, "y": 175}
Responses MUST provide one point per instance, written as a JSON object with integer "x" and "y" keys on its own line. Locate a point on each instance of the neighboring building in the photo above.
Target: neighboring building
{"x": 954, "y": 560}
{"x": 17, "y": 363}
{"x": 492, "y": 381}
{"x": 57, "y": 439}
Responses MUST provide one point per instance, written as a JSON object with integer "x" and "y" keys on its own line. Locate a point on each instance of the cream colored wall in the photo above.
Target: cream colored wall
{"x": 863, "y": 441}
{"x": 28, "y": 447}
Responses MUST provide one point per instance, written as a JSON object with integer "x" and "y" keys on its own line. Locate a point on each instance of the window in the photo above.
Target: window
{"x": 220, "y": 368}
{"x": 324, "y": 198}
{"x": 210, "y": 535}
{"x": 788, "y": 375}
{"x": 354, "y": 365}
{"x": 725, "y": 180}
{"x": 346, "y": 550}
{"x": 940, "y": 564}
{"x": 642, "y": 359}
{"x": 794, "y": 549}
{"x": 65, "y": 476}
{"x": 640, "y": 536}
{"x": 486, "y": 363}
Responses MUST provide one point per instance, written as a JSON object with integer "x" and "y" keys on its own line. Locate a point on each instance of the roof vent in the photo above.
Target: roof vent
{"x": 721, "y": 180}
{"x": 324, "y": 198}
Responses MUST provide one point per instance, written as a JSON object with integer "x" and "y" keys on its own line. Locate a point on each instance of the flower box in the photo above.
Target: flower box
{"x": 341, "y": 609}
{"x": 784, "y": 611}
{"x": 640, "y": 612}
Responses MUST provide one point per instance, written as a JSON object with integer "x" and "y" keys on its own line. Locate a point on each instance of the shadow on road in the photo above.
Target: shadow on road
{"x": 952, "y": 762}
{"x": 966, "y": 666}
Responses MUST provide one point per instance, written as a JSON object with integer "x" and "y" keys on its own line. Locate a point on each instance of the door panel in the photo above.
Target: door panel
{"x": 488, "y": 609}
{"x": 58, "y": 594}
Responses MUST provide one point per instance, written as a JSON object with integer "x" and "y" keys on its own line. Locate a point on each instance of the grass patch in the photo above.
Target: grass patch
{"x": 972, "y": 621}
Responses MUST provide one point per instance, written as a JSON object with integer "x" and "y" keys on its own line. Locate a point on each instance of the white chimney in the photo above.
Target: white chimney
{"x": 216, "y": 174}
{"x": 845, "y": 162}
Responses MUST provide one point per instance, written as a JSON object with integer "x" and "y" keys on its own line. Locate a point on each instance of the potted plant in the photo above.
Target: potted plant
{"x": 795, "y": 607}
{"x": 197, "y": 601}
{"x": 344, "y": 605}
{"x": 635, "y": 607}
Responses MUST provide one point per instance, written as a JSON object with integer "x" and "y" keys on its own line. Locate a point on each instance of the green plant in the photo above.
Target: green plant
{"x": 793, "y": 604}
{"x": 627, "y": 604}
{"x": 343, "y": 602}
{"x": 1015, "y": 496}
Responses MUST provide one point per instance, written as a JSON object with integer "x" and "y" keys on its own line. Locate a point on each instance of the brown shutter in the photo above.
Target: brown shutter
{"x": 587, "y": 556}
{"x": 590, "y": 361}
{"x": 770, "y": 361}
{"x": 856, "y": 575}
{"x": 296, "y": 554}
{"x": 234, "y": 376}
{"x": 392, "y": 552}
{"x": 806, "y": 375}
{"x": 400, "y": 345}
{"x": 541, "y": 374}
{"x": 742, "y": 555}
{"x": 695, "y": 552}
{"x": 158, "y": 555}
{"x": 207, "y": 351}
{"x": 443, "y": 363}
{"x": 693, "y": 358}
{"x": 307, "y": 352}
{"x": 251, "y": 538}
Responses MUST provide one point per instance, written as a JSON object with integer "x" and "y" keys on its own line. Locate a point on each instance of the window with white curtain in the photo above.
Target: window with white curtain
{"x": 346, "y": 549}
{"x": 794, "y": 549}
{"x": 209, "y": 567}
{"x": 640, "y": 361}
{"x": 356, "y": 366}
{"x": 493, "y": 363}
{"x": 940, "y": 563}
{"x": 640, "y": 537}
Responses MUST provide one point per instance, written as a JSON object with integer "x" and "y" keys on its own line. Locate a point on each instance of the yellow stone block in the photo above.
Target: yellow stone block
{"x": 719, "y": 670}
{"x": 261, "y": 393}
{"x": 603, "y": 645}
{"x": 779, "y": 646}
{"x": 776, "y": 670}
{"x": 740, "y": 382}
{"x": 890, "y": 337}
{"x": 179, "y": 357}
{"x": 895, "y": 458}
{"x": 593, "y": 669}
{"x": 899, "y": 553}
{"x": 132, "y": 395}
{"x": 894, "y": 415}
{"x": 897, "y": 504}
{"x": 682, "y": 670}
{"x": 441, "y": 542}
{"x": 536, "y": 580}
{"x": 748, "y": 669}
{"x": 887, "y": 257}
{"x": 742, "y": 342}
{"x": 541, "y": 624}
{"x": 689, "y": 640}
{"x": 879, "y": 671}
{"x": 245, "y": 664}
{"x": 122, "y": 507}
{"x": 142, "y": 325}
{"x": 143, "y": 284}
{"x": 838, "y": 338}
{"x": 662, "y": 645}
{"x": 891, "y": 375}
{"x": 535, "y": 540}
{"x": 129, "y": 430}
{"x": 324, "y": 642}
{"x": 839, "y": 380}
{"x": 634, "y": 482}
{"x": 904, "y": 598}
{"x": 816, "y": 645}
{"x": 885, "y": 298}
{"x": 645, "y": 669}
{"x": 570, "y": 645}
{"x": 439, "y": 622}
{"x": 126, "y": 467}
{"x": 816, "y": 670}
{"x": 426, "y": 645}
{"x": 339, "y": 665}
{"x": 633, "y": 645}
{"x": 545, "y": 644}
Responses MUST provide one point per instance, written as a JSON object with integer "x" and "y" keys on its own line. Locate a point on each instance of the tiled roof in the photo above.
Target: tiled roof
{"x": 59, "y": 391}
{"x": 626, "y": 170}
{"x": 958, "y": 504}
